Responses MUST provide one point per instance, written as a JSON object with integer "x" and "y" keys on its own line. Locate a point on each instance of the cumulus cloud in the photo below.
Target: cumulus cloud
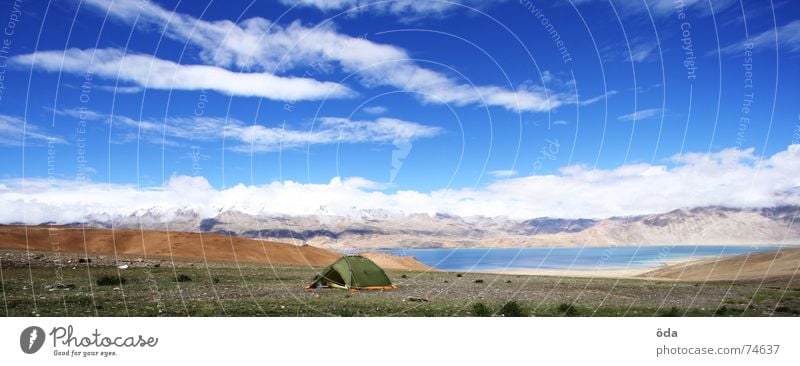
{"x": 259, "y": 138}
{"x": 154, "y": 73}
{"x": 732, "y": 178}
{"x": 13, "y": 131}
{"x": 259, "y": 44}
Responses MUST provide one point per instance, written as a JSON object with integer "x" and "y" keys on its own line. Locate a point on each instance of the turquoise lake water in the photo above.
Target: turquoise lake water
{"x": 483, "y": 259}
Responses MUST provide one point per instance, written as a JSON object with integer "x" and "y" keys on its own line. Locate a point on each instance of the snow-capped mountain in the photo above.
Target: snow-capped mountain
{"x": 384, "y": 229}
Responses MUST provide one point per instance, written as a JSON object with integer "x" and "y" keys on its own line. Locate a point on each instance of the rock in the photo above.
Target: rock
{"x": 124, "y": 266}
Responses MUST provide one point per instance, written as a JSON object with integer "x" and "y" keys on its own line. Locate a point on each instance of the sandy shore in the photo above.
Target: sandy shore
{"x": 613, "y": 272}
{"x": 783, "y": 263}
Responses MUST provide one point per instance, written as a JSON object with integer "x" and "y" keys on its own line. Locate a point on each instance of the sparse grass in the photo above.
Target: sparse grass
{"x": 259, "y": 290}
{"x": 765, "y": 294}
{"x": 730, "y": 301}
{"x": 724, "y": 310}
{"x": 345, "y": 312}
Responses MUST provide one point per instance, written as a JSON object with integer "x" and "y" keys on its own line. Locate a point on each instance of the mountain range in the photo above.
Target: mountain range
{"x": 372, "y": 229}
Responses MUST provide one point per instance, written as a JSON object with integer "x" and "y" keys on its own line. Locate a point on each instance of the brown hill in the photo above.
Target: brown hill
{"x": 183, "y": 245}
{"x": 389, "y": 261}
{"x": 784, "y": 263}
{"x": 180, "y": 245}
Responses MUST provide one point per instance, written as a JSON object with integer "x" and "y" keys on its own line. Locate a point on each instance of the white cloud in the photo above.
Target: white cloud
{"x": 640, "y": 115}
{"x": 641, "y": 52}
{"x": 732, "y": 178}
{"x": 788, "y": 39}
{"x": 663, "y": 8}
{"x": 330, "y": 131}
{"x": 375, "y": 109}
{"x": 598, "y": 98}
{"x": 404, "y": 8}
{"x": 148, "y": 71}
{"x": 120, "y": 89}
{"x": 13, "y": 131}
{"x": 259, "y": 138}
{"x": 503, "y": 173}
{"x": 323, "y": 4}
{"x": 259, "y": 44}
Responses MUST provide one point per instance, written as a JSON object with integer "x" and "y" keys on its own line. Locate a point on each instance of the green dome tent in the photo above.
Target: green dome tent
{"x": 353, "y": 272}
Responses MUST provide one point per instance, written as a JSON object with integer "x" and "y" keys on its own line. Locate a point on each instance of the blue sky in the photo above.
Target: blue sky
{"x": 408, "y": 96}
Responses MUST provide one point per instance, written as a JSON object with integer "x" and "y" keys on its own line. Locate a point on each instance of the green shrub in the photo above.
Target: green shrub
{"x": 404, "y": 276}
{"x": 480, "y": 309}
{"x": 215, "y": 280}
{"x": 478, "y": 281}
{"x": 786, "y": 309}
{"x": 184, "y": 278}
{"x": 459, "y": 275}
{"x": 106, "y": 280}
{"x": 673, "y": 311}
{"x": 567, "y": 309}
{"x": 512, "y": 309}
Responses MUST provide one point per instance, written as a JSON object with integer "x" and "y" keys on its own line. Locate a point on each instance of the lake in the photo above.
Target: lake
{"x": 486, "y": 259}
